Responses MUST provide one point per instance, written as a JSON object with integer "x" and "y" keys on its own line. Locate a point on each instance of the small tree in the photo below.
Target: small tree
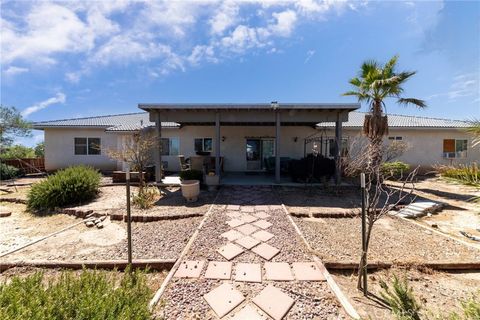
{"x": 40, "y": 150}
{"x": 17, "y": 152}
{"x": 474, "y": 129}
{"x": 12, "y": 124}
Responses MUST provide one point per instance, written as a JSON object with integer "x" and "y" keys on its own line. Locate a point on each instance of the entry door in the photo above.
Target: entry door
{"x": 253, "y": 153}
{"x": 268, "y": 150}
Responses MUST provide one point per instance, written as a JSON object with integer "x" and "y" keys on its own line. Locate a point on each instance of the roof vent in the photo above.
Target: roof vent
{"x": 274, "y": 104}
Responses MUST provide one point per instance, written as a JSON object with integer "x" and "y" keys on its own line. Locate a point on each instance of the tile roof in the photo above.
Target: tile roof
{"x": 355, "y": 119}
{"x": 119, "y": 122}
{"x": 136, "y": 121}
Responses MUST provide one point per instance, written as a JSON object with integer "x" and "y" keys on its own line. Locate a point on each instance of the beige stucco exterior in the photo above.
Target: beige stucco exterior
{"x": 425, "y": 146}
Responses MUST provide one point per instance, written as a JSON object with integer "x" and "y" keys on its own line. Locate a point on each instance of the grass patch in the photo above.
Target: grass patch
{"x": 90, "y": 295}
{"x": 465, "y": 174}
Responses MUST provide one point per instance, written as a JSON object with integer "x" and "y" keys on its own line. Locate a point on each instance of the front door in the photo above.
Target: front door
{"x": 257, "y": 151}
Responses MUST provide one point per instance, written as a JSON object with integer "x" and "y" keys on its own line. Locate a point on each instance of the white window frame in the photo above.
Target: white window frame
{"x": 203, "y": 144}
{"x": 170, "y": 140}
{"x": 457, "y": 154}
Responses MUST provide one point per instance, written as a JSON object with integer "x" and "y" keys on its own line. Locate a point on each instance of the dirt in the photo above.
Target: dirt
{"x": 439, "y": 293}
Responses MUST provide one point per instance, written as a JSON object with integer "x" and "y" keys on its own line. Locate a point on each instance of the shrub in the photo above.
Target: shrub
{"x": 191, "y": 175}
{"x": 146, "y": 197}
{"x": 90, "y": 295}
{"x": 8, "y": 172}
{"x": 466, "y": 174}
{"x": 70, "y": 186}
{"x": 394, "y": 169}
{"x": 401, "y": 299}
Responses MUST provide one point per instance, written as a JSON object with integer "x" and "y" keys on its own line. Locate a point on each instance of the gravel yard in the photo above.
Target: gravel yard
{"x": 393, "y": 240}
{"x": 439, "y": 293}
{"x": 184, "y": 297}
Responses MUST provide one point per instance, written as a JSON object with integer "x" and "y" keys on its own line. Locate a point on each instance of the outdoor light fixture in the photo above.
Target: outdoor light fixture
{"x": 295, "y": 139}
{"x": 223, "y": 138}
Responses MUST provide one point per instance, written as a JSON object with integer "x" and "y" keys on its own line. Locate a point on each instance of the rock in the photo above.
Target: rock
{"x": 99, "y": 225}
{"x": 434, "y": 225}
{"x": 89, "y": 224}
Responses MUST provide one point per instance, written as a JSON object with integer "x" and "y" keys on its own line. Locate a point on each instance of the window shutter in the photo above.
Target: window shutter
{"x": 448, "y": 145}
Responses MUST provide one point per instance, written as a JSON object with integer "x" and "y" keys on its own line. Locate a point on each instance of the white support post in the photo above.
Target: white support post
{"x": 277, "y": 146}
{"x": 158, "y": 158}
{"x": 338, "y": 150}
{"x": 217, "y": 144}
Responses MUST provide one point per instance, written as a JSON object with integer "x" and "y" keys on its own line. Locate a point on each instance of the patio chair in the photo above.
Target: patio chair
{"x": 183, "y": 163}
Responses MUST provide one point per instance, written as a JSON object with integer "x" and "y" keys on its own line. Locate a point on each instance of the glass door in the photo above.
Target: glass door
{"x": 268, "y": 152}
{"x": 253, "y": 153}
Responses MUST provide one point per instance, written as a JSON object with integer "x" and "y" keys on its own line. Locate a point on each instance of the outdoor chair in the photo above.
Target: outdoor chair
{"x": 183, "y": 163}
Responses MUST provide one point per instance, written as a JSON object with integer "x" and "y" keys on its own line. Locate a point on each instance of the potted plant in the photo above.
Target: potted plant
{"x": 190, "y": 184}
{"x": 212, "y": 181}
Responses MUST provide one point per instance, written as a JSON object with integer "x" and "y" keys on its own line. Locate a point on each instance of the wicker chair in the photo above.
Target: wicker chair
{"x": 183, "y": 163}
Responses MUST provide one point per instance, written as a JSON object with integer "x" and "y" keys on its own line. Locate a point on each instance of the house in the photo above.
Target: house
{"x": 243, "y": 137}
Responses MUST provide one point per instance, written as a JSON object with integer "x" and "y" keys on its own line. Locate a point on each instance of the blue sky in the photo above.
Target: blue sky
{"x": 75, "y": 59}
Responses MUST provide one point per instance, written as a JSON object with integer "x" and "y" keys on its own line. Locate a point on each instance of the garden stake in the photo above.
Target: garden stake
{"x": 364, "y": 244}
{"x": 129, "y": 220}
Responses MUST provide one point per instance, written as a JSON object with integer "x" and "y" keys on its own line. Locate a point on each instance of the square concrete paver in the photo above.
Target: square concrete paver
{"x": 219, "y": 270}
{"x": 248, "y": 209}
{"x": 190, "y": 269}
{"x": 235, "y": 223}
{"x": 223, "y": 299}
{"x": 278, "y": 271}
{"x": 247, "y": 229}
{"x": 234, "y": 207}
{"x": 247, "y": 242}
{"x": 261, "y": 208}
{"x": 275, "y": 207}
{"x": 248, "y": 313}
{"x": 307, "y": 271}
{"x": 230, "y": 251}
{"x": 266, "y": 251}
{"x": 232, "y": 235}
{"x": 261, "y": 215}
{"x": 273, "y": 302}
{"x": 263, "y": 224}
{"x": 234, "y": 214}
{"x": 248, "y": 218}
{"x": 263, "y": 235}
{"x": 248, "y": 272}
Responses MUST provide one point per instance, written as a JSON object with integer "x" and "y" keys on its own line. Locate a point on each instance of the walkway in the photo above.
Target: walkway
{"x": 248, "y": 262}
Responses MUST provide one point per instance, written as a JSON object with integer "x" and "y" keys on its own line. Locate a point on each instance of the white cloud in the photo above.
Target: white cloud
{"x": 285, "y": 23}
{"x": 310, "y": 54}
{"x": 463, "y": 85}
{"x": 13, "y": 71}
{"x": 225, "y": 16}
{"x": 58, "y": 98}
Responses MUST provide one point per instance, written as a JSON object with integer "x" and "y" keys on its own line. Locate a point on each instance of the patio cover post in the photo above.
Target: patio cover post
{"x": 338, "y": 150}
{"x": 158, "y": 158}
{"x": 277, "y": 146}
{"x": 217, "y": 144}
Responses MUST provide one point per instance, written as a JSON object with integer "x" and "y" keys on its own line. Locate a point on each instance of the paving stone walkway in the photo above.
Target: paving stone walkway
{"x": 248, "y": 262}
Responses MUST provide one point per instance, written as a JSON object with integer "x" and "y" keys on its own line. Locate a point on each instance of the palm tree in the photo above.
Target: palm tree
{"x": 376, "y": 83}
{"x": 475, "y": 131}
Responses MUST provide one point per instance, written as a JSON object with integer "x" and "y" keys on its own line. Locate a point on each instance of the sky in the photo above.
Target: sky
{"x": 69, "y": 59}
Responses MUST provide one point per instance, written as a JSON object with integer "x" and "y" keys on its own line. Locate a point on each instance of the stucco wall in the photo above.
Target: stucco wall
{"x": 59, "y": 148}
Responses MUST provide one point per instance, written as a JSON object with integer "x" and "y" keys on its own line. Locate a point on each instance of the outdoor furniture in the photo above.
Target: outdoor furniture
{"x": 197, "y": 163}
{"x": 183, "y": 163}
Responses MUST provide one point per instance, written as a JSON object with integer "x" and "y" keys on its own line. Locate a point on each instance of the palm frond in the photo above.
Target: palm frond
{"x": 417, "y": 102}
{"x": 405, "y": 75}
{"x": 355, "y": 82}
{"x": 389, "y": 68}
{"x": 474, "y": 129}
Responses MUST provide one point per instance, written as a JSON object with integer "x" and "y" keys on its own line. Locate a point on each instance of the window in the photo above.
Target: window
{"x": 87, "y": 146}
{"x": 332, "y": 146}
{"x": 396, "y": 138}
{"x": 170, "y": 146}
{"x": 453, "y": 148}
{"x": 203, "y": 144}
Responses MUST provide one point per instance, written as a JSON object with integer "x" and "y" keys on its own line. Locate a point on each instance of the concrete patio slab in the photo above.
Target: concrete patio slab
{"x": 230, "y": 251}
{"x": 247, "y": 229}
{"x": 232, "y": 235}
{"x": 266, "y": 251}
{"x": 248, "y": 312}
{"x": 235, "y": 223}
{"x": 307, "y": 271}
{"x": 248, "y": 272}
{"x": 274, "y": 302}
{"x": 261, "y": 215}
{"x": 247, "y": 242}
{"x": 263, "y": 224}
{"x": 278, "y": 271}
{"x": 190, "y": 269}
{"x": 224, "y": 299}
{"x": 248, "y": 218}
{"x": 219, "y": 270}
{"x": 263, "y": 235}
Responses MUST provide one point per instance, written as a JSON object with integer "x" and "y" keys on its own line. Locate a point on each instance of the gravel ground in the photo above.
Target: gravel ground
{"x": 183, "y": 298}
{"x": 393, "y": 240}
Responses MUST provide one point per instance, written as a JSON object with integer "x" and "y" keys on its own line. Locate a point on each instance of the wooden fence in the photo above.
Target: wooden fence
{"x": 27, "y": 165}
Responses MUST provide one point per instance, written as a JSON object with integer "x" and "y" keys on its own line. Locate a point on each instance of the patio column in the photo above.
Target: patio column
{"x": 277, "y": 146}
{"x": 217, "y": 143}
{"x": 338, "y": 150}
{"x": 158, "y": 153}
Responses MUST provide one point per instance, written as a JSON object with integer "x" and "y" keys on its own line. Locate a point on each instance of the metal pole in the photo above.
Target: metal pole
{"x": 364, "y": 234}
{"x": 129, "y": 220}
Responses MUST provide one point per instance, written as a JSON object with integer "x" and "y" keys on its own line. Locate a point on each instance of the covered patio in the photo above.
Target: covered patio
{"x": 266, "y": 116}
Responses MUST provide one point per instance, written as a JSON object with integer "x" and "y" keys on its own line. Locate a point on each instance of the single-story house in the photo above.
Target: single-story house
{"x": 244, "y": 137}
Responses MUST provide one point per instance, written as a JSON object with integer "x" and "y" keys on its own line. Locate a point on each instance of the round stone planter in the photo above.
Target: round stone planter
{"x": 190, "y": 190}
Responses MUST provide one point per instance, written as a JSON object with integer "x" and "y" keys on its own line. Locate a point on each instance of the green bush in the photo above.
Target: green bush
{"x": 8, "y": 172}
{"x": 191, "y": 175}
{"x": 401, "y": 299}
{"x": 466, "y": 174}
{"x": 394, "y": 169}
{"x": 90, "y": 295}
{"x": 146, "y": 197}
{"x": 69, "y": 186}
